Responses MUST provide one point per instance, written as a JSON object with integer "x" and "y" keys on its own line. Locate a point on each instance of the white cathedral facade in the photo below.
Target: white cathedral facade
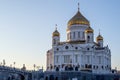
{"x": 79, "y": 52}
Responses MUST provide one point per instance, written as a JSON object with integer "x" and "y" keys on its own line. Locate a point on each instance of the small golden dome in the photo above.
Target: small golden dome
{"x": 56, "y": 33}
{"x": 78, "y": 19}
{"x": 89, "y": 30}
{"x": 99, "y": 37}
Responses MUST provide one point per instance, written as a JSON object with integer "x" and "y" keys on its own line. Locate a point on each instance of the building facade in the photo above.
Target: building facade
{"x": 79, "y": 52}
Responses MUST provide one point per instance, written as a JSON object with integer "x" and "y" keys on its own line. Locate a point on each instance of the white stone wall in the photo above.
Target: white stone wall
{"x": 86, "y": 55}
{"x": 50, "y": 59}
{"x": 101, "y": 59}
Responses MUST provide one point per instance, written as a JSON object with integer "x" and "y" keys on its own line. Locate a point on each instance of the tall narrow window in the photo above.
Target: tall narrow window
{"x": 54, "y": 41}
{"x": 88, "y": 59}
{"x": 67, "y": 59}
{"x": 78, "y": 34}
{"x": 76, "y": 58}
{"x": 83, "y": 35}
{"x": 88, "y": 37}
{"x": 64, "y": 59}
{"x": 73, "y": 34}
{"x": 57, "y": 59}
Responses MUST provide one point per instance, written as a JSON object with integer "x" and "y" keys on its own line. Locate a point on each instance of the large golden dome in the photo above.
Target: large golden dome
{"x": 78, "y": 19}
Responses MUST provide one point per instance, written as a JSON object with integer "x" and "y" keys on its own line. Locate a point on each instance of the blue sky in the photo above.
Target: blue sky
{"x": 26, "y": 27}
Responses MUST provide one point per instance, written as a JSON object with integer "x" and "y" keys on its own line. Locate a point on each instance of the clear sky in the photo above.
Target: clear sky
{"x": 26, "y": 27}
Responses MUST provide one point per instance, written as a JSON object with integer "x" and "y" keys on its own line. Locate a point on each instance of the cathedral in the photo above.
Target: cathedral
{"x": 79, "y": 52}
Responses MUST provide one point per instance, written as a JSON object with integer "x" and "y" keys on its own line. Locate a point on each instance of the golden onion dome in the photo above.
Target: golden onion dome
{"x": 99, "y": 37}
{"x": 89, "y": 30}
{"x": 56, "y": 33}
{"x": 78, "y": 19}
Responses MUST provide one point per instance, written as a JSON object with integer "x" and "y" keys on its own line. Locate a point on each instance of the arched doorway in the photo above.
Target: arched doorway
{"x": 76, "y": 68}
{"x": 57, "y": 69}
{"x": 70, "y": 68}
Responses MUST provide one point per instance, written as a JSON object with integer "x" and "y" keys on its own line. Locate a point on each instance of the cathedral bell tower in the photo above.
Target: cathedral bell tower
{"x": 89, "y": 36}
{"x": 99, "y": 40}
{"x": 55, "y": 37}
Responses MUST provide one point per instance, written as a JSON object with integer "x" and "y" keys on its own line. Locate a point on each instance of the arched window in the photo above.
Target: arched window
{"x": 76, "y": 58}
{"x": 88, "y": 37}
{"x": 54, "y": 41}
{"x": 57, "y": 69}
